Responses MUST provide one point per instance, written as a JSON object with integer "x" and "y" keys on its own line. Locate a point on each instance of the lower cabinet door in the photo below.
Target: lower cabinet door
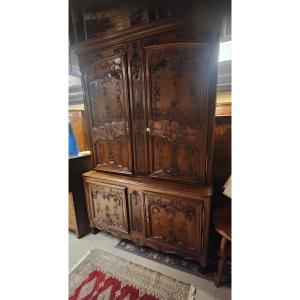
{"x": 107, "y": 206}
{"x": 174, "y": 224}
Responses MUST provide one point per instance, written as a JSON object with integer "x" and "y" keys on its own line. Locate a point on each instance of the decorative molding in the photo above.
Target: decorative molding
{"x": 110, "y": 131}
{"x": 175, "y": 132}
{"x": 136, "y": 211}
{"x": 158, "y": 207}
{"x": 108, "y": 205}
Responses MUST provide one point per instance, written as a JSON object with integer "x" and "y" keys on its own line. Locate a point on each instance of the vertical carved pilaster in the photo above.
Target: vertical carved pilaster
{"x": 136, "y": 211}
{"x": 138, "y": 107}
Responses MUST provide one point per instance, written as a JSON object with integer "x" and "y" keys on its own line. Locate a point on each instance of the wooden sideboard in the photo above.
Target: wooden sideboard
{"x": 167, "y": 216}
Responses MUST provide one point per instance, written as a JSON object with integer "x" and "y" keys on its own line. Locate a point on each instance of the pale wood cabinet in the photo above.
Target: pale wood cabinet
{"x": 108, "y": 208}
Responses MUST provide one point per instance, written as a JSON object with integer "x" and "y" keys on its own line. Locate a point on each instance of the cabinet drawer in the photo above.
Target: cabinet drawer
{"x": 174, "y": 223}
{"x": 107, "y": 206}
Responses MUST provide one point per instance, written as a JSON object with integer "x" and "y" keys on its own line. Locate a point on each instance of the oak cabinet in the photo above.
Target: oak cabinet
{"x": 150, "y": 99}
{"x": 164, "y": 216}
{"x": 178, "y": 78}
{"x": 175, "y": 223}
{"x": 107, "y": 207}
{"x": 106, "y": 89}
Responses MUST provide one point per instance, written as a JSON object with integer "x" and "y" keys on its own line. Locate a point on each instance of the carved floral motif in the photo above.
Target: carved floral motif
{"x": 173, "y": 207}
{"x": 174, "y": 132}
{"x": 110, "y": 131}
{"x": 108, "y": 203}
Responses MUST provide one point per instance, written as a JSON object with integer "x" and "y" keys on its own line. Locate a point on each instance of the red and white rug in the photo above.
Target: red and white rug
{"x": 100, "y": 275}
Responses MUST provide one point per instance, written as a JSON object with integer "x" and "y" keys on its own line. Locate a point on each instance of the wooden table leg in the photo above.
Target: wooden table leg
{"x": 222, "y": 262}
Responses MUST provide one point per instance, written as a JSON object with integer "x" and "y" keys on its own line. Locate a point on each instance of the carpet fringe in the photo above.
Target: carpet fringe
{"x": 192, "y": 292}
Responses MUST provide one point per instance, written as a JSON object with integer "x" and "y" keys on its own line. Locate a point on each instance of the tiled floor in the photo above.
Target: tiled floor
{"x": 206, "y": 290}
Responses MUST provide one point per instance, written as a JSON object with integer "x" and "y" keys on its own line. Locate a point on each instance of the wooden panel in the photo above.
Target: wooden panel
{"x": 167, "y": 216}
{"x": 106, "y": 85}
{"x": 107, "y": 206}
{"x": 174, "y": 221}
{"x": 72, "y": 217}
{"x": 178, "y": 89}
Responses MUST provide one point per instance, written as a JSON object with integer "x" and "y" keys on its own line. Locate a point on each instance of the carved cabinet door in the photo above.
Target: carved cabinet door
{"x": 178, "y": 78}
{"x": 107, "y": 206}
{"x": 174, "y": 224}
{"x": 108, "y": 105}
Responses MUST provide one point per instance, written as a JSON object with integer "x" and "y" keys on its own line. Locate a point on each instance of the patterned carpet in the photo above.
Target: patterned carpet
{"x": 170, "y": 260}
{"x": 100, "y": 275}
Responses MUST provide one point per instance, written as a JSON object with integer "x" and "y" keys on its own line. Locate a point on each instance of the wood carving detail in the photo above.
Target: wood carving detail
{"x": 110, "y": 131}
{"x": 177, "y": 65}
{"x": 109, "y": 206}
{"x": 171, "y": 220}
{"x": 175, "y": 132}
{"x": 137, "y": 84}
{"x": 177, "y": 96}
{"x": 136, "y": 211}
{"x": 138, "y": 116}
{"x": 104, "y": 88}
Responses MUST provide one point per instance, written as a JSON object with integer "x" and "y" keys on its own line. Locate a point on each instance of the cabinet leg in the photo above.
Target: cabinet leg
{"x": 222, "y": 262}
{"x": 94, "y": 230}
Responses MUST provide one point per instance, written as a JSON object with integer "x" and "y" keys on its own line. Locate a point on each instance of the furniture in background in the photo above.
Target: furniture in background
{"x": 222, "y": 153}
{"x": 78, "y": 123}
{"x": 78, "y": 217}
{"x": 222, "y": 224}
{"x": 150, "y": 102}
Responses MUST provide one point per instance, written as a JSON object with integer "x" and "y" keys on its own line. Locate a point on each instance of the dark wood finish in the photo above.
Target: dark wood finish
{"x": 178, "y": 82}
{"x": 222, "y": 153}
{"x": 106, "y": 89}
{"x": 174, "y": 222}
{"x": 78, "y": 123}
{"x": 172, "y": 217}
{"x": 138, "y": 107}
{"x": 150, "y": 93}
{"x": 78, "y": 217}
{"x": 222, "y": 224}
{"x": 222, "y": 149}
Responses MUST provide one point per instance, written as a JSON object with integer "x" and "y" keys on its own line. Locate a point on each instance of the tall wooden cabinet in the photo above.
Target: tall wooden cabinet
{"x": 150, "y": 99}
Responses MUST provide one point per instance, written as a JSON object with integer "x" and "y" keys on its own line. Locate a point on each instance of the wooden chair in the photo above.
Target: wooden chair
{"x": 222, "y": 224}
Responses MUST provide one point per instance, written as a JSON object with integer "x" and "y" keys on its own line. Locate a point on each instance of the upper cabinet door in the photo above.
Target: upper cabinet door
{"x": 178, "y": 79}
{"x": 106, "y": 91}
